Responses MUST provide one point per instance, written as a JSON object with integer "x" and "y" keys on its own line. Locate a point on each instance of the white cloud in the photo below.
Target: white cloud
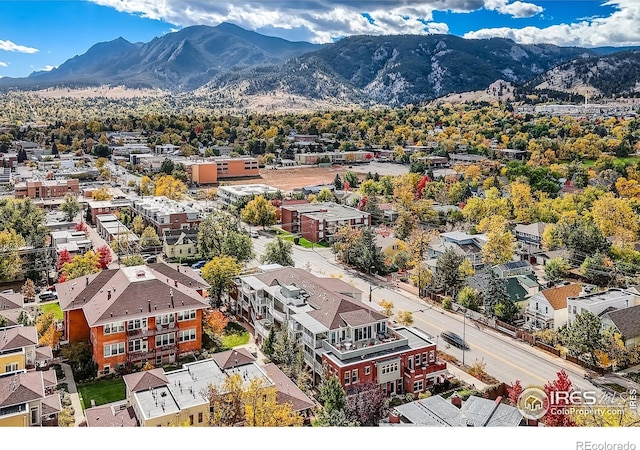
{"x": 619, "y": 29}
{"x": 9, "y": 46}
{"x": 48, "y": 68}
{"x": 516, "y": 9}
{"x": 4, "y": 64}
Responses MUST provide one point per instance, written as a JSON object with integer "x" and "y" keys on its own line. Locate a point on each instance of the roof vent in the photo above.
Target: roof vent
{"x": 140, "y": 274}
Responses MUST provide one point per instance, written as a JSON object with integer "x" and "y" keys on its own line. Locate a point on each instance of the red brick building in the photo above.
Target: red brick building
{"x": 320, "y": 221}
{"x": 135, "y": 314}
{"x": 45, "y": 189}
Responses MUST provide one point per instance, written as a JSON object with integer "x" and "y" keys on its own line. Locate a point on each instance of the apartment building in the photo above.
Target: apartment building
{"x": 135, "y": 314}
{"x": 46, "y": 189}
{"x": 19, "y": 350}
{"x": 107, "y": 207}
{"x": 29, "y": 399}
{"x": 336, "y": 329}
{"x": 320, "y": 221}
{"x": 599, "y": 303}
{"x": 229, "y": 196}
{"x": 163, "y": 213}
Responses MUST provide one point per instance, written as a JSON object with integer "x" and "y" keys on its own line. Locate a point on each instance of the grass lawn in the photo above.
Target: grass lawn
{"x": 234, "y": 335}
{"x": 55, "y": 307}
{"x": 626, "y": 159}
{"x": 102, "y": 391}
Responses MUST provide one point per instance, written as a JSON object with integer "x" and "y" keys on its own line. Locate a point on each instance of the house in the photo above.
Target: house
{"x": 11, "y": 305}
{"x": 28, "y": 399}
{"x": 519, "y": 287}
{"x": 599, "y": 303}
{"x": 19, "y": 350}
{"x": 118, "y": 414}
{"x": 513, "y": 268}
{"x": 160, "y": 398}
{"x": 337, "y": 330}
{"x": 180, "y": 243}
{"x": 437, "y": 411}
{"x": 548, "y": 309}
{"x": 466, "y": 245}
{"x": 320, "y": 221}
{"x": 132, "y": 315}
{"x": 626, "y": 322}
{"x": 114, "y": 206}
{"x": 163, "y": 213}
{"x": 530, "y": 236}
{"x": 75, "y": 242}
{"x": 510, "y": 153}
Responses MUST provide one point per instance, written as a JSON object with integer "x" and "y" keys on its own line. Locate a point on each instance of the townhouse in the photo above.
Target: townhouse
{"x": 135, "y": 314}
{"x": 338, "y": 332}
{"x": 28, "y": 399}
{"x": 163, "y": 213}
{"x": 19, "y": 350}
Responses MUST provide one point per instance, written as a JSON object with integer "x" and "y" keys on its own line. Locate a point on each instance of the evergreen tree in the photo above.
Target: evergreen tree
{"x": 337, "y": 182}
{"x": 495, "y": 293}
{"x": 448, "y": 277}
{"x": 267, "y": 345}
{"x": 365, "y": 254}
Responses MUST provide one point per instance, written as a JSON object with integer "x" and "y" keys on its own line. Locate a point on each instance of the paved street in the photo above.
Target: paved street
{"x": 506, "y": 359}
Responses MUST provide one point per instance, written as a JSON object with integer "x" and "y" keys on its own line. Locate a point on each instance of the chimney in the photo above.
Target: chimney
{"x": 175, "y": 283}
{"x": 126, "y": 311}
{"x": 456, "y": 400}
{"x": 87, "y": 280}
{"x": 394, "y": 416}
{"x": 149, "y": 303}
{"x": 109, "y": 295}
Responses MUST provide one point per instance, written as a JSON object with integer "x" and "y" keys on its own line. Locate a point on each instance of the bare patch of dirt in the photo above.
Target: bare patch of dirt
{"x": 289, "y": 179}
{"x": 114, "y": 92}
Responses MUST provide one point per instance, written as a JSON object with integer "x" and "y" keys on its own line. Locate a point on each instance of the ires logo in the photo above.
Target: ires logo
{"x": 563, "y": 398}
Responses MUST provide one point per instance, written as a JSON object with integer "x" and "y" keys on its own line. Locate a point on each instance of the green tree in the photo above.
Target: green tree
{"x": 598, "y": 268}
{"x": 468, "y": 298}
{"x": 584, "y": 337}
{"x": 70, "y": 207}
{"x": 10, "y": 261}
{"x": 149, "y": 238}
{"x": 81, "y": 265}
{"x": 267, "y": 345}
{"x": 494, "y": 293}
{"x": 219, "y": 273}
{"x": 325, "y": 195}
{"x": 365, "y": 254}
{"x": 138, "y": 225}
{"x": 448, "y": 277}
{"x": 167, "y": 166}
{"x": 220, "y": 234}
{"x": 352, "y": 179}
{"x": 27, "y": 219}
{"x": 133, "y": 260}
{"x": 278, "y": 252}
{"x": 259, "y": 211}
{"x": 337, "y": 182}
{"x": 556, "y": 269}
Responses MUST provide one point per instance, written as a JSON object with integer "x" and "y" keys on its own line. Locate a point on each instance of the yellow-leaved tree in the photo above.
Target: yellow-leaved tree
{"x": 166, "y": 185}
{"x": 614, "y": 217}
{"x": 500, "y": 243}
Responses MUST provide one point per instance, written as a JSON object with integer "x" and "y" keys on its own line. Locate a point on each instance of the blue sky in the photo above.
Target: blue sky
{"x": 40, "y": 35}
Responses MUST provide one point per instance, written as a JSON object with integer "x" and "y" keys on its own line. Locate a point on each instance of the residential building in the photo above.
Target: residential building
{"x": 28, "y": 399}
{"x": 19, "y": 350}
{"x": 466, "y": 245}
{"x": 466, "y": 158}
{"x": 529, "y": 236}
{"x": 46, "y": 189}
{"x": 437, "y": 411}
{"x": 626, "y": 322}
{"x": 118, "y": 414}
{"x": 11, "y": 305}
{"x": 107, "y": 207}
{"x": 320, "y": 221}
{"x": 132, "y": 315}
{"x": 75, "y": 242}
{"x": 110, "y": 228}
{"x": 160, "y": 398}
{"x": 510, "y": 153}
{"x": 513, "y": 268}
{"x": 358, "y": 156}
{"x": 599, "y": 303}
{"x": 229, "y": 196}
{"x": 338, "y": 330}
{"x": 163, "y": 213}
{"x": 180, "y": 243}
{"x": 548, "y": 309}
{"x": 166, "y": 149}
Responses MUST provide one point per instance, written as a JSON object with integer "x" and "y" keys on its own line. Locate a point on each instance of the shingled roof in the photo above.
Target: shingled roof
{"x": 21, "y": 388}
{"x": 557, "y": 296}
{"x": 288, "y": 392}
{"x": 18, "y": 337}
{"x": 147, "y": 379}
{"x": 233, "y": 358}
{"x": 627, "y": 321}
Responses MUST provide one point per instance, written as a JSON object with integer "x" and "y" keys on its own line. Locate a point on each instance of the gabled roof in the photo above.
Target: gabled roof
{"x": 21, "y": 388}
{"x": 44, "y": 353}
{"x": 111, "y": 416}
{"x": 147, "y": 379}
{"x": 18, "y": 337}
{"x": 557, "y": 296}
{"x": 180, "y": 237}
{"x": 49, "y": 377}
{"x": 51, "y": 404}
{"x": 627, "y": 321}
{"x": 233, "y": 358}
{"x": 11, "y": 301}
{"x": 288, "y": 392}
{"x": 534, "y": 229}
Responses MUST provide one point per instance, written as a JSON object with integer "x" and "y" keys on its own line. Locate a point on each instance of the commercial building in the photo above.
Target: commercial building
{"x": 46, "y": 189}
{"x": 320, "y": 221}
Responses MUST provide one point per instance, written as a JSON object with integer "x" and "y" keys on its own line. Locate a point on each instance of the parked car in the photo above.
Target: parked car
{"x": 254, "y": 234}
{"x": 47, "y": 295}
{"x": 454, "y": 339}
{"x": 151, "y": 259}
{"x": 198, "y": 265}
{"x": 7, "y": 291}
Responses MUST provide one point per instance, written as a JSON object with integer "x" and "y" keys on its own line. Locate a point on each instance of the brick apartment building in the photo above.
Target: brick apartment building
{"x": 163, "y": 213}
{"x": 326, "y": 315}
{"x": 135, "y": 314}
{"x": 320, "y": 221}
{"x": 43, "y": 189}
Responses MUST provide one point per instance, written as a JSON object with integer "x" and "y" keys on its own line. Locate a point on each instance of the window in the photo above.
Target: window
{"x": 138, "y": 345}
{"x": 165, "y": 319}
{"x": 190, "y": 419}
{"x": 187, "y": 335}
{"x": 536, "y": 306}
{"x": 432, "y": 356}
{"x": 393, "y": 367}
{"x": 424, "y": 358}
{"x": 34, "y": 416}
{"x": 367, "y": 370}
{"x": 186, "y": 315}
{"x": 200, "y": 417}
{"x": 114, "y": 349}
{"x": 165, "y": 339}
{"x": 354, "y": 376}
{"x": 347, "y": 378}
{"x": 136, "y": 324}
{"x": 410, "y": 363}
{"x": 546, "y": 309}
{"x": 114, "y": 327}
{"x": 417, "y": 360}
{"x": 11, "y": 367}
{"x": 418, "y": 386}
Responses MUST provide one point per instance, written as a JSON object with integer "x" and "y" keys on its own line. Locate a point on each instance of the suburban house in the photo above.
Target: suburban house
{"x": 180, "y": 243}
{"x": 599, "y": 303}
{"x": 29, "y": 399}
{"x": 548, "y": 309}
{"x": 163, "y": 213}
{"x": 626, "y": 322}
{"x": 513, "y": 269}
{"x": 155, "y": 398}
{"x": 19, "y": 350}
{"x": 135, "y": 314}
{"x": 529, "y": 236}
{"x": 320, "y": 221}
{"x": 229, "y": 196}
{"x": 338, "y": 330}
{"x": 437, "y": 411}
{"x": 466, "y": 245}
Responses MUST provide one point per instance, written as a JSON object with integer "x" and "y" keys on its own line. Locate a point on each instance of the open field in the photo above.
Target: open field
{"x": 113, "y": 92}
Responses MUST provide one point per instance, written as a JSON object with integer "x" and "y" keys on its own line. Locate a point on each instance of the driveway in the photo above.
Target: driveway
{"x": 73, "y": 393}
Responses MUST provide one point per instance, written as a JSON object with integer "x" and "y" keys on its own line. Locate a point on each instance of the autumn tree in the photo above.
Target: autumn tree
{"x": 262, "y": 408}
{"x": 557, "y": 414}
{"x": 614, "y": 217}
{"x": 259, "y": 211}
{"x": 514, "y": 392}
{"x": 214, "y": 323}
{"x": 556, "y": 269}
{"x": 168, "y": 186}
{"x": 221, "y": 234}
{"x": 521, "y": 200}
{"x": 138, "y": 225}
{"x": 81, "y": 265}
{"x": 63, "y": 257}
{"x": 146, "y": 186}
{"x": 29, "y": 290}
{"x": 404, "y": 318}
{"x": 387, "y": 307}
{"x": 10, "y": 261}
{"x": 326, "y": 195}
{"x": 101, "y": 194}
{"x": 500, "y": 244}
{"x": 70, "y": 207}
{"x": 278, "y": 252}
{"x": 104, "y": 256}
{"x": 344, "y": 241}
{"x": 366, "y": 404}
{"x": 149, "y": 238}
{"x": 133, "y": 260}
{"x": 219, "y": 273}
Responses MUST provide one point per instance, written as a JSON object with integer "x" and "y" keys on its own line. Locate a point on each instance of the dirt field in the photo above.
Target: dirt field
{"x": 288, "y": 179}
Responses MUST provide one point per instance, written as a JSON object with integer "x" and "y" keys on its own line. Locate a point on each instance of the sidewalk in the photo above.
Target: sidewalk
{"x": 73, "y": 393}
{"x": 465, "y": 377}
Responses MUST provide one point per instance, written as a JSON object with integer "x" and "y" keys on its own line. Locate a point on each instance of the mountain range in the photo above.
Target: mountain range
{"x": 230, "y": 63}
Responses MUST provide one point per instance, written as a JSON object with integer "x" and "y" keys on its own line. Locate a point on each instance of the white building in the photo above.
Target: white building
{"x": 231, "y": 195}
{"x": 599, "y": 303}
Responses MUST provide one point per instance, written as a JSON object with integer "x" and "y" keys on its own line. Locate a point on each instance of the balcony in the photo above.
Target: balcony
{"x": 437, "y": 366}
{"x": 348, "y": 350}
{"x": 279, "y": 316}
{"x": 141, "y": 332}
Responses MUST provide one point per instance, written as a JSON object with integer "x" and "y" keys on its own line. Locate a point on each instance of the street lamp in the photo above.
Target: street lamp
{"x": 464, "y": 330}
{"x": 370, "y": 283}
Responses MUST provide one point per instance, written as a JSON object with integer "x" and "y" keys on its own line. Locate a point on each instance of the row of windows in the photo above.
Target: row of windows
{"x": 351, "y": 376}
{"x": 136, "y": 324}
{"x": 187, "y": 335}
{"x": 390, "y": 368}
{"x": 114, "y": 349}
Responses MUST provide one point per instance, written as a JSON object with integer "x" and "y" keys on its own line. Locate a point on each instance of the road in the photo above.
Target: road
{"x": 506, "y": 359}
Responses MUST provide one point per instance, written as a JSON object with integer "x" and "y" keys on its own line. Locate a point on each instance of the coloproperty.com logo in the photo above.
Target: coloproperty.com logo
{"x": 534, "y": 403}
